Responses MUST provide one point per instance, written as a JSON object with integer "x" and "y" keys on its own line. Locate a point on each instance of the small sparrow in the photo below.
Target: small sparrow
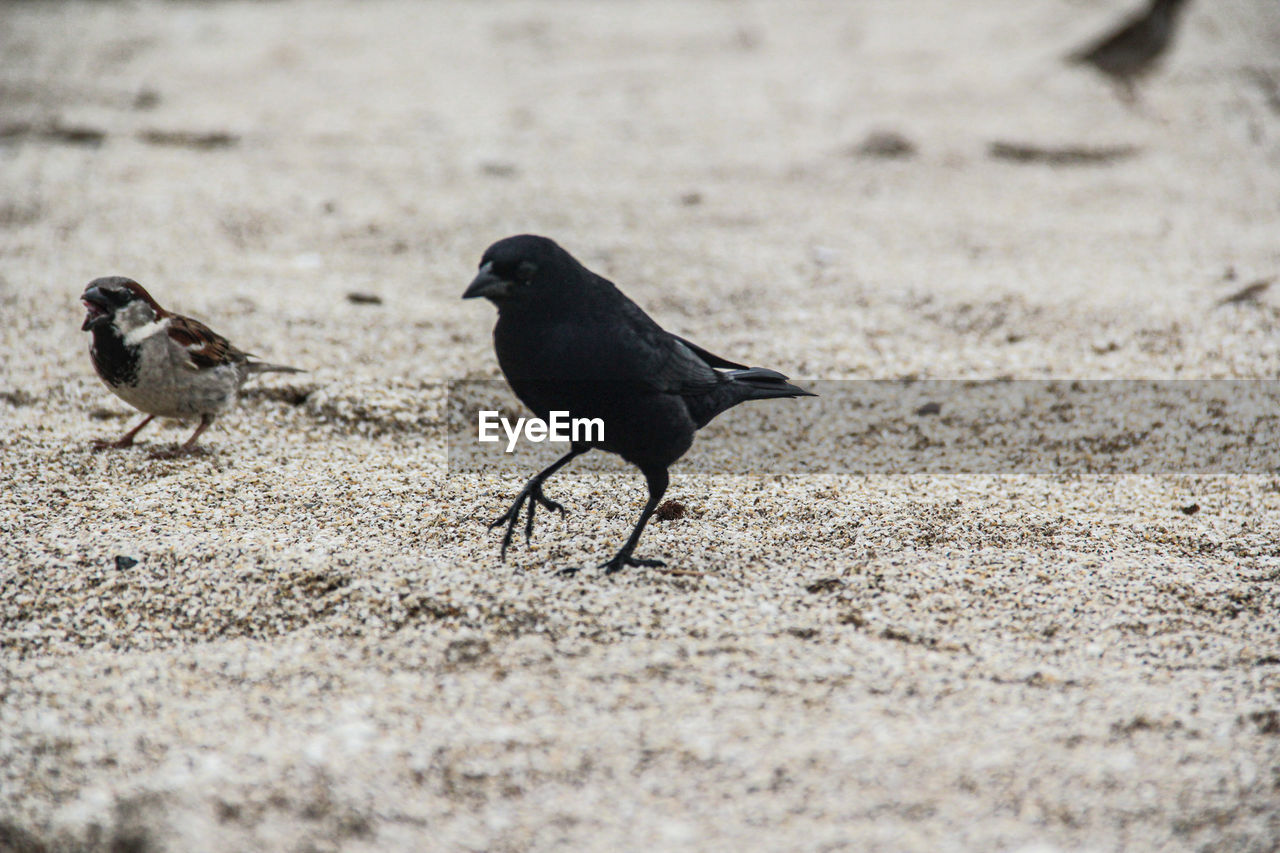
{"x": 1134, "y": 49}
{"x": 159, "y": 362}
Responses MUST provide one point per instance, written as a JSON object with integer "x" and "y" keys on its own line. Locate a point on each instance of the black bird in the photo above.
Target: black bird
{"x": 1133, "y": 51}
{"x": 569, "y": 340}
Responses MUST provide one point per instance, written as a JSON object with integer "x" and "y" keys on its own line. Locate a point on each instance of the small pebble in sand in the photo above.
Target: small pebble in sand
{"x": 197, "y": 139}
{"x": 887, "y": 144}
{"x": 1064, "y": 155}
{"x": 499, "y": 169}
{"x": 670, "y": 511}
{"x": 1249, "y": 293}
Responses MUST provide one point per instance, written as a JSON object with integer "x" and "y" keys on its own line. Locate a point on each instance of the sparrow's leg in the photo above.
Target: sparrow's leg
{"x": 205, "y": 420}
{"x": 188, "y": 446}
{"x": 124, "y": 441}
{"x": 532, "y": 492}
{"x": 657, "y": 480}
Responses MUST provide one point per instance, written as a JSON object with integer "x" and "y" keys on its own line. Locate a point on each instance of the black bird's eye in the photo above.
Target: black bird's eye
{"x": 525, "y": 272}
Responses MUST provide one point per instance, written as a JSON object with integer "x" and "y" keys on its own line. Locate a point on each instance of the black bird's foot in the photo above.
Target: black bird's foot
{"x": 622, "y": 560}
{"x": 571, "y": 572}
{"x": 532, "y": 493}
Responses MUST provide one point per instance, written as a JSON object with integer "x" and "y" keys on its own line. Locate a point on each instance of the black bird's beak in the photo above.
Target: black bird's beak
{"x": 97, "y": 308}
{"x": 487, "y": 284}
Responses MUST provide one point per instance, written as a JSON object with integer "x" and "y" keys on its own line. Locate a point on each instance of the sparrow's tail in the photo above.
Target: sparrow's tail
{"x": 267, "y": 367}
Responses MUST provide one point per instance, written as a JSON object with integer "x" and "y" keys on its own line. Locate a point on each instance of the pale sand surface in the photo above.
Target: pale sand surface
{"x": 318, "y": 648}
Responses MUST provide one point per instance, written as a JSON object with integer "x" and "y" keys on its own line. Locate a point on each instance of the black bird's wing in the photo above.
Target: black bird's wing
{"x": 649, "y": 354}
{"x": 681, "y": 368}
{"x": 668, "y": 363}
{"x": 710, "y": 357}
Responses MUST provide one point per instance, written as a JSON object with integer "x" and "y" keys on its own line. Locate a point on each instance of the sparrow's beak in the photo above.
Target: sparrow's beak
{"x": 487, "y": 284}
{"x": 97, "y": 307}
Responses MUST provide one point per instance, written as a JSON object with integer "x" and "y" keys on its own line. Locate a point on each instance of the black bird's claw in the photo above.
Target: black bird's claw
{"x": 571, "y": 572}
{"x": 532, "y": 493}
{"x": 620, "y": 560}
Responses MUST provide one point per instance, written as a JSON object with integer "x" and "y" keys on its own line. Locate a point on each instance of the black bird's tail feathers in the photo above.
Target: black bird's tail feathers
{"x": 764, "y": 384}
{"x": 748, "y": 383}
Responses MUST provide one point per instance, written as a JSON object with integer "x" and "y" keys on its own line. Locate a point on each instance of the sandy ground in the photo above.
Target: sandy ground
{"x": 318, "y": 648}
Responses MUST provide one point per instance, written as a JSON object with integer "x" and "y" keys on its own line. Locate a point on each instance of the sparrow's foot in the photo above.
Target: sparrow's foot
{"x": 620, "y": 561}
{"x": 123, "y": 441}
{"x": 532, "y": 494}
{"x": 179, "y": 452}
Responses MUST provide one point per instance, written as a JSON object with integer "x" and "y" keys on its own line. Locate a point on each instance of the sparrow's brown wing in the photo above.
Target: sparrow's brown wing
{"x": 205, "y": 347}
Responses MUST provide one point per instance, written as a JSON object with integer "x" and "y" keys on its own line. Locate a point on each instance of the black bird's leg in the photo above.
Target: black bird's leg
{"x": 532, "y": 492}
{"x": 657, "y": 480}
